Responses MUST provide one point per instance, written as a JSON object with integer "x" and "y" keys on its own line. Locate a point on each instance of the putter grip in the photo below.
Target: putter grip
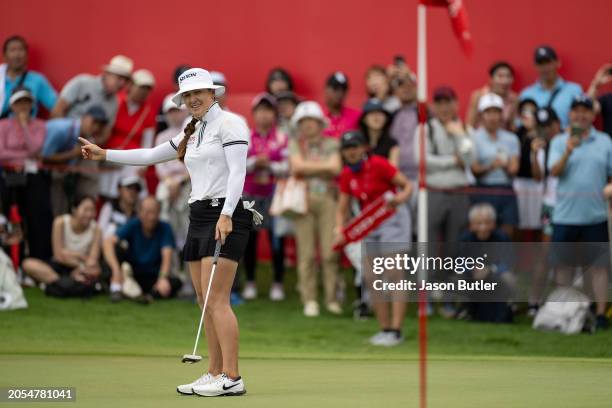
{"x": 217, "y": 251}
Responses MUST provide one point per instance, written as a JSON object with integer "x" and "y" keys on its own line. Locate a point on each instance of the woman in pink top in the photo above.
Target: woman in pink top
{"x": 21, "y": 182}
{"x": 267, "y": 159}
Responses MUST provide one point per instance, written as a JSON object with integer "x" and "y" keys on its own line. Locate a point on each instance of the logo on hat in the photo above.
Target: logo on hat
{"x": 189, "y": 75}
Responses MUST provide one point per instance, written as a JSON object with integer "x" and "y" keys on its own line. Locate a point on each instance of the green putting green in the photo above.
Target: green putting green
{"x": 127, "y": 355}
{"x": 150, "y": 382}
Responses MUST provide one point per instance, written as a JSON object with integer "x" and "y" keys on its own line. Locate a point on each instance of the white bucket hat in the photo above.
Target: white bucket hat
{"x": 143, "y": 77}
{"x": 309, "y": 109}
{"x": 195, "y": 78}
{"x": 490, "y": 100}
{"x": 120, "y": 65}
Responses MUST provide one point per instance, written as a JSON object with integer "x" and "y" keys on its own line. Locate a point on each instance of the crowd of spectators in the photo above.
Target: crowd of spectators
{"x": 527, "y": 166}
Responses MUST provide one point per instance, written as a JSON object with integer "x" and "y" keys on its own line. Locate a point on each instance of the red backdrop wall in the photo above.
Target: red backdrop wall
{"x": 245, "y": 38}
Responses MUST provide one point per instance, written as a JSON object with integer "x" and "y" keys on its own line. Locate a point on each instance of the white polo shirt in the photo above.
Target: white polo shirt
{"x": 215, "y": 157}
{"x": 205, "y": 157}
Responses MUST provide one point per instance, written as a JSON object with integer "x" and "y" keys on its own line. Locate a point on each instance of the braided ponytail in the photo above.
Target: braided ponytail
{"x": 182, "y": 147}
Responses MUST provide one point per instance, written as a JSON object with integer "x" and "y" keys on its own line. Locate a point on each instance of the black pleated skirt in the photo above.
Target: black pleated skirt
{"x": 203, "y": 217}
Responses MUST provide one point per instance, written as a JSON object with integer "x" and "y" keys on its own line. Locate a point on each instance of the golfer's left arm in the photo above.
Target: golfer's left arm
{"x": 235, "y": 142}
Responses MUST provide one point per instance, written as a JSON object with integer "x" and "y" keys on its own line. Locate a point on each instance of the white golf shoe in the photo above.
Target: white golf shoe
{"x": 222, "y": 385}
{"x": 187, "y": 389}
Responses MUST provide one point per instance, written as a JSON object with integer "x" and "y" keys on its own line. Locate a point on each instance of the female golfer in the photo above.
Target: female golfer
{"x": 214, "y": 148}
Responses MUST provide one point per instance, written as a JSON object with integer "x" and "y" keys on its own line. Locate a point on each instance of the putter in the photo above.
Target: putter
{"x": 193, "y": 357}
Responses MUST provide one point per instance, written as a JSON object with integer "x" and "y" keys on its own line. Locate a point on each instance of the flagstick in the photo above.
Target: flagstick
{"x": 422, "y": 199}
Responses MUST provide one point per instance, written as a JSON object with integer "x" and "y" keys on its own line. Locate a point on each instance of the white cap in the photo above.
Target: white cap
{"x": 196, "y": 78}
{"x": 20, "y": 94}
{"x": 309, "y": 109}
{"x": 120, "y": 65}
{"x": 143, "y": 77}
{"x": 169, "y": 104}
{"x": 130, "y": 180}
{"x": 218, "y": 78}
{"x": 490, "y": 100}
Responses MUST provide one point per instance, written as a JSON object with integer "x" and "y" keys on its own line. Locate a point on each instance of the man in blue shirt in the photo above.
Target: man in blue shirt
{"x": 582, "y": 160}
{"x": 62, "y": 147}
{"x": 550, "y": 90}
{"x": 61, "y": 142}
{"x": 150, "y": 248}
{"x": 14, "y": 72}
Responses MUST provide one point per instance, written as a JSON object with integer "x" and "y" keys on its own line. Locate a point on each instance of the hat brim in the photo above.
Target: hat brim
{"x": 324, "y": 122}
{"x": 114, "y": 70}
{"x": 584, "y": 105}
{"x": 351, "y": 144}
{"x": 178, "y": 97}
{"x": 20, "y": 95}
{"x": 485, "y": 108}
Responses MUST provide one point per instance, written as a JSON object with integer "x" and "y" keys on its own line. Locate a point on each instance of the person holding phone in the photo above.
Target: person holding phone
{"x": 582, "y": 160}
{"x": 214, "y": 148}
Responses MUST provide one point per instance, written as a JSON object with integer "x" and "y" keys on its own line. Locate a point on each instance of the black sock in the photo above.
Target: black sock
{"x": 397, "y": 333}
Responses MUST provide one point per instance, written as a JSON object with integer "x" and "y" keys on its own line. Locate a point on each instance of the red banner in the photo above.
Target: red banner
{"x": 368, "y": 219}
{"x": 459, "y": 20}
{"x": 15, "y": 219}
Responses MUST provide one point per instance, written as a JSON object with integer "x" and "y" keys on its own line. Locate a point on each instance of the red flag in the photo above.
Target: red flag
{"x": 368, "y": 219}
{"x": 459, "y": 20}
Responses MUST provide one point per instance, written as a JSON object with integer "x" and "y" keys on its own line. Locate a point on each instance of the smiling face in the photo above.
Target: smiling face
{"x": 85, "y": 212}
{"x": 198, "y": 101}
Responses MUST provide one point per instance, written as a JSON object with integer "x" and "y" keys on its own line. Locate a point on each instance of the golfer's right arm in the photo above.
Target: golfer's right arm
{"x": 135, "y": 157}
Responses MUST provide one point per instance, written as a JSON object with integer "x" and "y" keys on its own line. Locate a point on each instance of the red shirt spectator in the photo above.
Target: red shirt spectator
{"x": 371, "y": 181}
{"x": 130, "y": 121}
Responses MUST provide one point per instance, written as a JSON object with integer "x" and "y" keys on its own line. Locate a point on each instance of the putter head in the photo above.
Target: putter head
{"x": 191, "y": 358}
